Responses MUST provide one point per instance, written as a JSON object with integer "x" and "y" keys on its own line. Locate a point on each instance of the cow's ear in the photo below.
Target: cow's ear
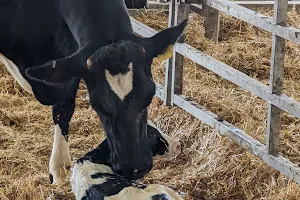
{"x": 166, "y": 54}
{"x": 161, "y": 44}
{"x": 54, "y": 81}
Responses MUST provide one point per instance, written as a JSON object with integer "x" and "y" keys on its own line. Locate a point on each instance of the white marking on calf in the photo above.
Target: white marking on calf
{"x": 15, "y": 72}
{"x": 174, "y": 145}
{"x": 60, "y": 156}
{"x": 121, "y": 84}
{"x": 132, "y": 193}
{"x": 81, "y": 179}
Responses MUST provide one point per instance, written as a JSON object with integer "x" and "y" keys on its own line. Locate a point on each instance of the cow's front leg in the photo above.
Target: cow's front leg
{"x": 62, "y": 114}
{"x": 60, "y": 156}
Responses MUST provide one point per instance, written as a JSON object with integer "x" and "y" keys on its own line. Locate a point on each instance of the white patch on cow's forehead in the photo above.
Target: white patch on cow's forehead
{"x": 121, "y": 84}
{"x": 15, "y": 72}
{"x": 81, "y": 179}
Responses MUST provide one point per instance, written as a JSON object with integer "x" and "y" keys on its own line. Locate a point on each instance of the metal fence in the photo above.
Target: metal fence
{"x": 171, "y": 92}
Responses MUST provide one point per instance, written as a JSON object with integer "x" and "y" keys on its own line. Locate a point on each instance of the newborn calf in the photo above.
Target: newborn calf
{"x": 93, "y": 179}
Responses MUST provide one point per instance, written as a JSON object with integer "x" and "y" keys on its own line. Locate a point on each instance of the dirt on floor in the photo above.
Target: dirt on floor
{"x": 210, "y": 167}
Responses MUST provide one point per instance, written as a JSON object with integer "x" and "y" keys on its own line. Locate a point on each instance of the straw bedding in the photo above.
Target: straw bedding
{"x": 210, "y": 166}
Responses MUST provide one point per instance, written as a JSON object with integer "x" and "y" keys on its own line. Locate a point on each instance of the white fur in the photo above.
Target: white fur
{"x": 174, "y": 145}
{"x": 60, "y": 156}
{"x": 121, "y": 84}
{"x": 81, "y": 179}
{"x": 15, "y": 72}
{"x": 132, "y": 193}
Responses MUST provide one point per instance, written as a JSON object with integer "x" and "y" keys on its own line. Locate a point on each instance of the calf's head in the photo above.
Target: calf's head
{"x": 119, "y": 80}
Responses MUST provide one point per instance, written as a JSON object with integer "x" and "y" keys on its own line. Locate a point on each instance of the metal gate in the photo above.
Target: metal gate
{"x": 171, "y": 93}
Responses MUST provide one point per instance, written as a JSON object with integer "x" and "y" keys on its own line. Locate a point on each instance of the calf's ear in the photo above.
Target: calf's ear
{"x": 54, "y": 81}
{"x": 161, "y": 45}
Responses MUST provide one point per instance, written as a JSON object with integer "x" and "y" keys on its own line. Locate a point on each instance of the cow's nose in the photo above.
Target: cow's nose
{"x": 133, "y": 173}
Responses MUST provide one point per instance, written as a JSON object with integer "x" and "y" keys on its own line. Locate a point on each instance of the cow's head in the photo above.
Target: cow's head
{"x": 119, "y": 80}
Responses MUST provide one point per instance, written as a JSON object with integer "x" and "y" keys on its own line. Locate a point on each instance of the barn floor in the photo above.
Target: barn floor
{"x": 210, "y": 166}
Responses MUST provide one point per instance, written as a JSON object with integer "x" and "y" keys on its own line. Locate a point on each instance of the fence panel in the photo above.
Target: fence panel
{"x": 171, "y": 93}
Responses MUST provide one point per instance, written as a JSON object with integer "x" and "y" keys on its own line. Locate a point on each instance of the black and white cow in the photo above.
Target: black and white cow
{"x": 50, "y": 45}
{"x": 93, "y": 178}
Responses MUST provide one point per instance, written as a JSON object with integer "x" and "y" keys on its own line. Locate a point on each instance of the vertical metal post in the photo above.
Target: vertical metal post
{"x": 276, "y": 78}
{"x": 181, "y": 13}
{"x": 211, "y": 23}
{"x": 168, "y": 75}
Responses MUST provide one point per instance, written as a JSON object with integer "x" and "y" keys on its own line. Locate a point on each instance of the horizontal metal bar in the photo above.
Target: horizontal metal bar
{"x": 256, "y": 5}
{"x": 259, "y": 20}
{"x": 279, "y": 163}
{"x": 281, "y": 101}
{"x": 264, "y": 2}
